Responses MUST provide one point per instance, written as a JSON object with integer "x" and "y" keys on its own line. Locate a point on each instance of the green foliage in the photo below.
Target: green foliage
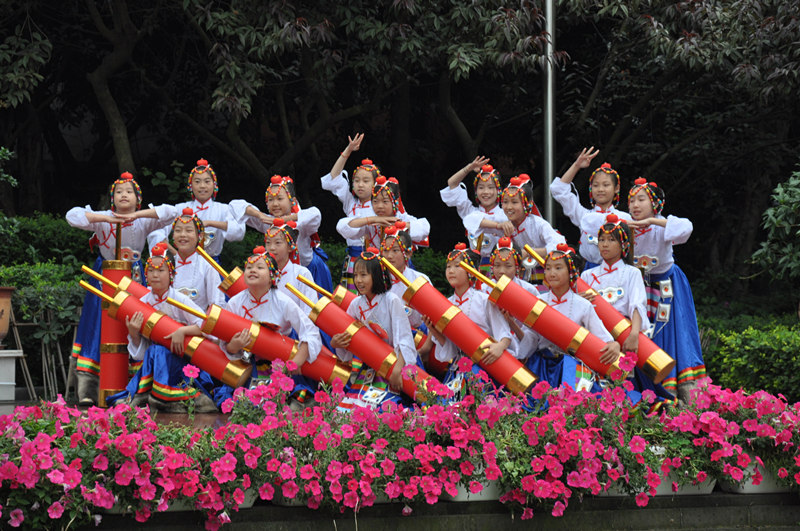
{"x": 40, "y": 238}
{"x": 432, "y": 262}
{"x": 172, "y": 187}
{"x": 6, "y": 155}
{"x": 235, "y": 253}
{"x": 21, "y": 58}
{"x": 779, "y": 255}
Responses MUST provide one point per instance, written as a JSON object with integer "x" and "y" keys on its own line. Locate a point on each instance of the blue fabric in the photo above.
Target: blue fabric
{"x": 354, "y": 251}
{"x": 679, "y": 337}
{"x": 552, "y": 369}
{"x": 589, "y": 265}
{"x": 319, "y": 269}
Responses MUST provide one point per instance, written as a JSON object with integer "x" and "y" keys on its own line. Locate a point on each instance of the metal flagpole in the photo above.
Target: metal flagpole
{"x": 549, "y": 107}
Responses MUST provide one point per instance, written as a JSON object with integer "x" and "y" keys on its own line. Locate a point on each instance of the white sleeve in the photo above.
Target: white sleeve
{"x": 457, "y": 197}
{"x": 76, "y": 217}
{"x": 308, "y": 220}
{"x": 567, "y": 197}
{"x": 307, "y": 332}
{"x": 137, "y": 352}
{"x": 403, "y": 340}
{"x": 418, "y": 228}
{"x": 499, "y": 326}
{"x": 594, "y": 325}
{"x": 548, "y": 234}
{"x": 214, "y": 295}
{"x": 340, "y": 187}
{"x": 236, "y": 226}
{"x": 158, "y": 235}
{"x": 166, "y": 215}
{"x": 351, "y": 233}
{"x": 444, "y": 352}
{"x": 637, "y": 297}
{"x": 677, "y": 230}
{"x": 472, "y": 223}
{"x": 239, "y": 208}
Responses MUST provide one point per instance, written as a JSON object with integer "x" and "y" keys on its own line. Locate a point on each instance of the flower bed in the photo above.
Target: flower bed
{"x": 62, "y": 467}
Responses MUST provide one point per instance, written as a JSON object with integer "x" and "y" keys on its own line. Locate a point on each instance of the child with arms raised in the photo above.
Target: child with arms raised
{"x": 126, "y": 199}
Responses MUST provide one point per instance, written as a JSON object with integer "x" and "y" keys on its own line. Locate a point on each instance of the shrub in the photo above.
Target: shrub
{"x": 43, "y": 237}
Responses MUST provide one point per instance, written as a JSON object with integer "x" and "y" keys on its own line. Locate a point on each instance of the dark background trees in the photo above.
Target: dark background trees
{"x": 698, "y": 96}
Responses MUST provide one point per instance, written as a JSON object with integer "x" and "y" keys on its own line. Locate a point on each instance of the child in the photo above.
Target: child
{"x": 550, "y": 363}
{"x": 126, "y": 199}
{"x": 670, "y": 302}
{"x": 357, "y": 203}
{"x": 475, "y": 305}
{"x": 262, "y": 303}
{"x": 280, "y": 241}
{"x": 160, "y": 379}
{"x": 603, "y": 195}
{"x": 384, "y": 313}
{"x": 219, "y": 224}
{"x": 388, "y": 208}
{"x": 524, "y": 225}
{"x": 397, "y": 248}
{"x": 617, "y": 280}
{"x": 487, "y": 194}
{"x": 282, "y": 203}
{"x": 194, "y": 277}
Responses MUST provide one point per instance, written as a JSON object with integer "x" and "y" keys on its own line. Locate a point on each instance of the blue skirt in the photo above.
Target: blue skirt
{"x": 86, "y": 348}
{"x": 319, "y": 269}
{"x": 675, "y": 326}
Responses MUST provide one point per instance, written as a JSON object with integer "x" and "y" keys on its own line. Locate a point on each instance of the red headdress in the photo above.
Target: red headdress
{"x": 607, "y": 169}
{"x": 126, "y": 177}
{"x": 203, "y": 166}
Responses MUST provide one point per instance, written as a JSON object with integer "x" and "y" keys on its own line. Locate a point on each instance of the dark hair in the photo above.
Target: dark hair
{"x": 381, "y": 282}
{"x": 623, "y": 235}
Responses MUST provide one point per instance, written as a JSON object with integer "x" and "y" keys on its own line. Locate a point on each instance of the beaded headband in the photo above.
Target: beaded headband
{"x": 616, "y": 228}
{"x": 289, "y": 231}
{"x": 260, "y": 253}
{"x": 392, "y": 189}
{"x": 371, "y": 254}
{"x": 202, "y": 167}
{"x": 655, "y": 193}
{"x": 505, "y": 244}
{"x": 159, "y": 250}
{"x": 517, "y": 186}
{"x": 391, "y": 235}
{"x": 608, "y": 170}
{"x": 126, "y": 177}
{"x": 278, "y": 183}
{"x": 487, "y": 173}
{"x": 566, "y": 253}
{"x": 462, "y": 253}
{"x": 188, "y": 216}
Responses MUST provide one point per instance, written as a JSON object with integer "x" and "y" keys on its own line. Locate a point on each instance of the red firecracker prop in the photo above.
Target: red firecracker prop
{"x": 369, "y": 348}
{"x": 113, "y": 337}
{"x": 461, "y": 330}
{"x": 233, "y": 282}
{"x": 202, "y": 352}
{"x": 341, "y": 296}
{"x": 653, "y": 361}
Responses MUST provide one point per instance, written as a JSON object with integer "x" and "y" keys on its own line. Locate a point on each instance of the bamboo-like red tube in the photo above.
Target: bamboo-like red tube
{"x": 652, "y": 359}
{"x": 113, "y": 337}
{"x": 341, "y": 296}
{"x": 233, "y": 282}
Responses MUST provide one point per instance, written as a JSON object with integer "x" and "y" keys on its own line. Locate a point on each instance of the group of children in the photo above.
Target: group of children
{"x": 625, "y": 257}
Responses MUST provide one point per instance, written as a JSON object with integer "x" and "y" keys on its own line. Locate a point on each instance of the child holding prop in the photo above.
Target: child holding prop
{"x": 281, "y": 242}
{"x": 384, "y": 313}
{"x": 126, "y": 199}
{"x": 194, "y": 277}
{"x": 670, "y": 302}
{"x": 603, "y": 196}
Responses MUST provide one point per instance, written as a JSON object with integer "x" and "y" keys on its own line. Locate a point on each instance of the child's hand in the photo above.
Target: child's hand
{"x": 631, "y": 344}
{"x": 477, "y": 164}
{"x": 492, "y": 353}
{"x": 125, "y": 218}
{"x": 341, "y": 340}
{"x": 609, "y": 353}
{"x": 432, "y": 331}
{"x": 640, "y": 224}
{"x": 585, "y": 158}
{"x": 384, "y": 221}
{"x": 134, "y": 324}
{"x": 354, "y": 144}
{"x": 238, "y": 341}
{"x": 396, "y": 377}
{"x": 589, "y": 295}
{"x": 177, "y": 337}
{"x": 265, "y": 218}
{"x": 507, "y": 227}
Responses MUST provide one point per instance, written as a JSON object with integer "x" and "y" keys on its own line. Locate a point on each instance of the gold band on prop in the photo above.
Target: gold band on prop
{"x": 210, "y": 322}
{"x": 498, "y": 288}
{"x": 117, "y": 265}
{"x": 152, "y": 319}
{"x": 387, "y": 364}
{"x": 353, "y": 327}
{"x": 620, "y": 327}
{"x": 413, "y": 288}
{"x": 339, "y": 294}
{"x": 521, "y": 381}
{"x": 103, "y": 394}
{"x": 124, "y": 283}
{"x": 113, "y": 348}
{"x": 295, "y": 348}
{"x": 255, "y": 328}
{"x": 231, "y": 279}
{"x": 477, "y": 356}
{"x": 237, "y": 373}
{"x": 191, "y": 347}
{"x": 341, "y": 372}
{"x": 446, "y": 317}
{"x": 317, "y": 308}
{"x": 535, "y": 312}
{"x": 658, "y": 365}
{"x": 114, "y": 305}
{"x": 577, "y": 340}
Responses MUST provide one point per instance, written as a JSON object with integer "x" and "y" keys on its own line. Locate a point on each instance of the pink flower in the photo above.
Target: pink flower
{"x": 558, "y": 509}
{"x": 350, "y": 499}
{"x": 100, "y": 462}
{"x": 464, "y": 364}
{"x": 453, "y": 452}
{"x": 407, "y": 510}
{"x": 322, "y": 397}
{"x": 388, "y": 467}
{"x": 527, "y": 513}
{"x": 289, "y": 490}
{"x": 475, "y": 487}
{"x": 190, "y": 371}
{"x": 266, "y": 491}
{"x": 628, "y": 361}
{"x": 637, "y": 444}
{"x": 16, "y": 518}
{"x": 642, "y": 499}
{"x": 56, "y": 510}
{"x": 701, "y": 476}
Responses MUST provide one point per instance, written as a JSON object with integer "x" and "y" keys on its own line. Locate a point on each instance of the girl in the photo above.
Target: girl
{"x": 603, "y": 195}
{"x": 670, "y": 302}
{"x": 524, "y": 225}
{"x": 219, "y": 224}
{"x": 397, "y": 248}
{"x": 194, "y": 277}
{"x": 385, "y": 314}
{"x": 282, "y": 203}
{"x": 487, "y": 193}
{"x": 280, "y": 241}
{"x": 160, "y": 379}
{"x": 126, "y": 199}
{"x": 357, "y": 202}
{"x": 388, "y": 208}
{"x": 475, "y": 305}
{"x": 550, "y": 363}
{"x": 617, "y": 280}
{"x": 262, "y": 303}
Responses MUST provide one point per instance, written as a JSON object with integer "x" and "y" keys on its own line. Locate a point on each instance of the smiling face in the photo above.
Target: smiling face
{"x": 503, "y": 265}
{"x": 278, "y": 247}
{"x": 395, "y": 255}
{"x": 158, "y": 276}
{"x": 362, "y": 279}
{"x": 202, "y": 186}
{"x": 185, "y": 237}
{"x": 363, "y": 181}
{"x": 457, "y": 277}
{"x": 278, "y": 202}
{"x": 604, "y": 189}
{"x": 382, "y": 205}
{"x": 514, "y": 208}
{"x": 556, "y": 276}
{"x": 640, "y": 206}
{"x": 610, "y": 249}
{"x": 486, "y": 194}
{"x": 124, "y": 198}
{"x": 257, "y": 277}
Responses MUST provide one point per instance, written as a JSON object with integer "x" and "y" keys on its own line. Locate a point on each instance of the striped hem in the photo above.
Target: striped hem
{"x": 691, "y": 374}
{"x": 670, "y": 384}
{"x": 172, "y": 394}
{"x": 76, "y": 349}
{"x": 87, "y": 365}
{"x": 145, "y": 384}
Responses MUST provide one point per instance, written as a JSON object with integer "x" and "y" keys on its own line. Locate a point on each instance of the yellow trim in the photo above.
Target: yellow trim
{"x": 521, "y": 381}
{"x": 318, "y": 307}
{"x": 446, "y": 317}
{"x": 113, "y": 348}
{"x": 255, "y": 329}
{"x": 414, "y": 288}
{"x": 498, "y": 288}
{"x": 116, "y": 265}
{"x": 387, "y": 364}
{"x": 354, "y": 327}
{"x": 658, "y": 366}
{"x": 535, "y": 312}
{"x": 477, "y": 356}
{"x": 119, "y": 298}
{"x": 237, "y": 373}
{"x": 212, "y": 317}
{"x": 577, "y": 340}
{"x": 230, "y": 280}
{"x": 152, "y": 320}
{"x": 620, "y": 327}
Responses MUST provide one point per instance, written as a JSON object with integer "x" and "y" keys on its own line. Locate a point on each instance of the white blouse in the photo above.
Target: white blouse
{"x": 653, "y": 244}
{"x": 351, "y": 205}
{"x": 534, "y": 231}
{"x": 370, "y": 235}
{"x": 137, "y": 352}
{"x": 622, "y": 286}
{"x": 471, "y": 215}
{"x": 288, "y": 275}
{"x": 386, "y": 315}
{"x": 196, "y": 279}
{"x": 214, "y": 238}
